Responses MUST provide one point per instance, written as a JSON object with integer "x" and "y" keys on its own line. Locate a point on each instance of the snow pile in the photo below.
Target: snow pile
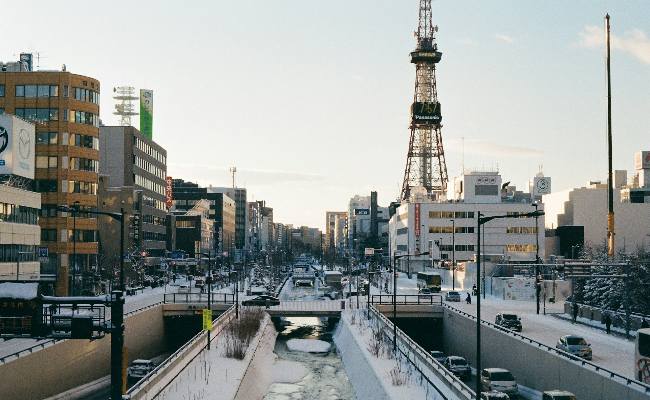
{"x": 22, "y": 291}
{"x": 308, "y": 345}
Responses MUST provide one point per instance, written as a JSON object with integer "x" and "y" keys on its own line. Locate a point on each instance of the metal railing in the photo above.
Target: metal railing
{"x": 217, "y": 298}
{"x": 305, "y": 306}
{"x": 421, "y": 360}
{"x": 196, "y": 344}
{"x": 409, "y": 299}
{"x": 587, "y": 364}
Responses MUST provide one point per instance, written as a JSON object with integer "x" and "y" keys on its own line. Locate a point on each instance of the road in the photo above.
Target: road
{"x": 611, "y": 352}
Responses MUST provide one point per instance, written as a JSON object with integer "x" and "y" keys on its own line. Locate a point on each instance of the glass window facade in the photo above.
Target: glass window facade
{"x": 89, "y": 142}
{"x": 38, "y": 114}
{"x": 84, "y": 117}
{"x": 46, "y": 138}
{"x": 37, "y": 91}
{"x": 18, "y": 214}
{"x": 18, "y": 252}
{"x": 86, "y": 95}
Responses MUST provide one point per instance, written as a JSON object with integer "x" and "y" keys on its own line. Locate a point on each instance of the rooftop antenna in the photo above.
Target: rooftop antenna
{"x": 233, "y": 171}
{"x": 124, "y": 108}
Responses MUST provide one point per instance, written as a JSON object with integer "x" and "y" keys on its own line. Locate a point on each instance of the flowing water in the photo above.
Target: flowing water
{"x": 326, "y": 377}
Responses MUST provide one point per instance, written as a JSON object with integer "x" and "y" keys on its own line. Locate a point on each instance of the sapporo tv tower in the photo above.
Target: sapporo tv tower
{"x": 426, "y": 169}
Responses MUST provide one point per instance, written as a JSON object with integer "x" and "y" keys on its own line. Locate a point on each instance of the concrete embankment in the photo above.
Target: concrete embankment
{"x": 363, "y": 376}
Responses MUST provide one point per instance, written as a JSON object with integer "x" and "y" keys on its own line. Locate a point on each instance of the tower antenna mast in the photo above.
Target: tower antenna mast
{"x": 425, "y": 164}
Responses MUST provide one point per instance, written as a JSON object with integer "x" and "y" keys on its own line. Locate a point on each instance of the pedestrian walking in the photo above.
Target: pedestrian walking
{"x": 575, "y": 311}
{"x": 608, "y": 323}
{"x": 468, "y": 299}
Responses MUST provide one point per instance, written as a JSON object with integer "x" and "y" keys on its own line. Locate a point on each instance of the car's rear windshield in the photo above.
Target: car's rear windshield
{"x": 458, "y": 361}
{"x": 574, "y": 341}
{"x": 510, "y": 317}
{"x": 436, "y": 353}
{"x": 501, "y": 376}
{"x": 453, "y": 293}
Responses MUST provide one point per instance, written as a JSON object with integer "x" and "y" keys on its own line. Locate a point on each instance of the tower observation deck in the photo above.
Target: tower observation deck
{"x": 425, "y": 164}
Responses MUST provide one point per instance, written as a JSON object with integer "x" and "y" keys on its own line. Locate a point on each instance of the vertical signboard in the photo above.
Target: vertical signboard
{"x": 146, "y": 113}
{"x": 17, "y": 145}
{"x": 169, "y": 194}
{"x": 207, "y": 319}
{"x": 417, "y": 219}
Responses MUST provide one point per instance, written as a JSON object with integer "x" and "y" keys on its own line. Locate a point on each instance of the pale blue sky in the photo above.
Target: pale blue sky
{"x": 310, "y": 99}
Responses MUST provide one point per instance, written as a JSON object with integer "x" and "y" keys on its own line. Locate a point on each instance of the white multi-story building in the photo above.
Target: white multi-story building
{"x": 449, "y": 229}
{"x": 20, "y": 234}
{"x": 587, "y": 207}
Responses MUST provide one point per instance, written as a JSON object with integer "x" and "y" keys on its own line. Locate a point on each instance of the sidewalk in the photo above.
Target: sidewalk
{"x": 615, "y": 331}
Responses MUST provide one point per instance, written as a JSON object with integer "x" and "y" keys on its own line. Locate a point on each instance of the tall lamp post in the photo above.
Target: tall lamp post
{"x": 453, "y": 254}
{"x": 481, "y": 220}
{"x": 538, "y": 282}
{"x": 395, "y": 258}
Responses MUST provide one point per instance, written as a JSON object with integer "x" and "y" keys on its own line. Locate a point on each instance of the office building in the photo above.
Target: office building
{"x": 241, "y": 212}
{"x": 222, "y": 210}
{"x": 585, "y": 209}
{"x": 448, "y": 229}
{"x": 20, "y": 234}
{"x": 64, "y": 107}
{"x": 195, "y": 230}
{"x": 129, "y": 159}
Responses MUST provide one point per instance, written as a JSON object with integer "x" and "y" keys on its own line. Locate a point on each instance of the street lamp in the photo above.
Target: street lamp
{"x": 395, "y": 258}
{"x": 480, "y": 221}
{"x": 453, "y": 254}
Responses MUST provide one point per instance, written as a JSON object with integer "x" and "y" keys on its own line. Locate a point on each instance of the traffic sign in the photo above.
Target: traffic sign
{"x": 369, "y": 251}
{"x": 207, "y": 319}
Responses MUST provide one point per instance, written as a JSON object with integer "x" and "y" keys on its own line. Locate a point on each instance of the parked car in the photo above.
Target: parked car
{"x": 500, "y": 380}
{"x": 438, "y": 356}
{"x": 139, "y": 369}
{"x": 452, "y": 296}
{"x": 508, "y": 321}
{"x": 199, "y": 283}
{"x": 558, "y": 395}
{"x": 458, "y": 366}
{"x": 184, "y": 288}
{"x": 494, "y": 395}
{"x": 262, "y": 301}
{"x": 575, "y": 345}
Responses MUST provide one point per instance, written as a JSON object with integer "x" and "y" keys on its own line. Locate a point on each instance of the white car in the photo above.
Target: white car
{"x": 500, "y": 380}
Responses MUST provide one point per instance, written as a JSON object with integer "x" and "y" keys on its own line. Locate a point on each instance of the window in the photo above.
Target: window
{"x": 84, "y": 117}
{"x": 80, "y": 187}
{"x": 2, "y": 90}
{"x": 46, "y": 138}
{"x": 185, "y": 224}
{"x": 48, "y": 235}
{"x": 441, "y": 214}
{"x": 46, "y": 162}
{"x": 18, "y": 252}
{"x": 84, "y": 164}
{"x": 464, "y": 247}
{"x": 65, "y": 91}
{"x": 89, "y": 142}
{"x": 522, "y": 230}
{"x": 45, "y": 185}
{"x": 18, "y": 214}
{"x": 38, "y": 114}
{"x": 31, "y": 90}
{"x": 86, "y": 95}
{"x": 402, "y": 231}
{"x": 521, "y": 248}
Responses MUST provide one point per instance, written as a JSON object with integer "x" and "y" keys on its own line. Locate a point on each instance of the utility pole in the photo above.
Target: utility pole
{"x": 453, "y": 254}
{"x": 610, "y": 182}
{"x": 538, "y": 281}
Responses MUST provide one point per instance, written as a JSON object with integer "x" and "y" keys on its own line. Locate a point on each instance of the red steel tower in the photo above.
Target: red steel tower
{"x": 425, "y": 163}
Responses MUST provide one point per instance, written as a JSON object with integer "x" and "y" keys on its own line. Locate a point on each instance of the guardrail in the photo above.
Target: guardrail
{"x": 190, "y": 350}
{"x": 421, "y": 359}
{"x": 587, "y": 364}
{"x": 410, "y": 299}
{"x": 222, "y": 298}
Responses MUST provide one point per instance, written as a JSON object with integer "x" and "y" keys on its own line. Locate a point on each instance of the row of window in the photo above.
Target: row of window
{"x": 155, "y": 203}
{"x": 18, "y": 214}
{"x": 66, "y": 235}
{"x": 185, "y": 224}
{"x": 18, "y": 252}
{"x": 522, "y": 230}
{"x": 160, "y": 237}
{"x": 149, "y": 167}
{"x": 51, "y": 186}
{"x": 521, "y": 248}
{"x": 451, "y": 214}
{"x": 73, "y": 139}
{"x": 449, "y": 229}
{"x": 149, "y": 184}
{"x": 38, "y": 114}
{"x": 86, "y": 95}
{"x": 85, "y": 117}
{"x": 37, "y": 91}
{"x": 153, "y": 219}
{"x": 84, "y": 164}
{"x": 149, "y": 150}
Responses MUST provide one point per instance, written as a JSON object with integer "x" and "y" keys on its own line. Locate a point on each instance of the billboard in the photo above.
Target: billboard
{"x": 169, "y": 194}
{"x": 541, "y": 185}
{"x": 426, "y": 112}
{"x": 642, "y": 160}
{"x": 17, "y": 146}
{"x": 417, "y": 220}
{"x": 146, "y": 113}
{"x": 361, "y": 211}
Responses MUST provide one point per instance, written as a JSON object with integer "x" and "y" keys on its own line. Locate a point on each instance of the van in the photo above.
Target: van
{"x": 499, "y": 379}
{"x": 558, "y": 395}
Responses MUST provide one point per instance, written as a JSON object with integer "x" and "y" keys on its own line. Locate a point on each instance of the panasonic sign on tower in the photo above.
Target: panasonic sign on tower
{"x": 17, "y": 146}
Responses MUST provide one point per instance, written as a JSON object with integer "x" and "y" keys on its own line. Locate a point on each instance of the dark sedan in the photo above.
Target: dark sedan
{"x": 262, "y": 300}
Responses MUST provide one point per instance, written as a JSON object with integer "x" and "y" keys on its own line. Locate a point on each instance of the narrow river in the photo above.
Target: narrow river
{"x": 326, "y": 377}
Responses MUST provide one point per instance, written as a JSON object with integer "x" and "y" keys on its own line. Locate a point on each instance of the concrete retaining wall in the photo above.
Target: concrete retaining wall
{"x": 531, "y": 365}
{"x": 71, "y": 363}
{"x": 366, "y": 384}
